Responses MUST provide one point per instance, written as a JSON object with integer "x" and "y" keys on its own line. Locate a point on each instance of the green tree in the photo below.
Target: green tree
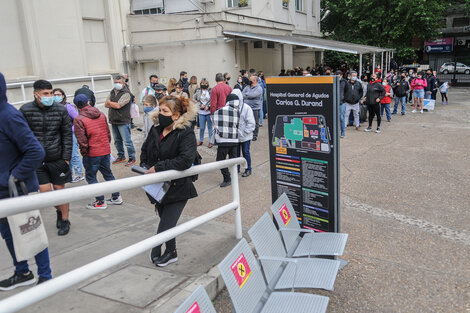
{"x": 384, "y": 23}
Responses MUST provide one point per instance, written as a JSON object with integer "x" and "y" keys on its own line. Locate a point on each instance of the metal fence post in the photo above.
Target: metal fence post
{"x": 23, "y": 92}
{"x": 236, "y": 198}
{"x": 93, "y": 83}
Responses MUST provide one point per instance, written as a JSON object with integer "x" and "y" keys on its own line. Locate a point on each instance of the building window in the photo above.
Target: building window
{"x": 150, "y": 11}
{"x": 270, "y": 44}
{"x": 461, "y": 21}
{"x": 299, "y": 5}
{"x": 232, "y": 3}
{"x": 258, "y": 44}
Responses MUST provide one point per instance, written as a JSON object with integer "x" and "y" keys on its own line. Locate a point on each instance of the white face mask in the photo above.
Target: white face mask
{"x": 118, "y": 86}
{"x": 384, "y": 83}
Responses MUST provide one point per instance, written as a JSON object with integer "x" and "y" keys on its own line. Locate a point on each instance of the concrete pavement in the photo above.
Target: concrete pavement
{"x": 404, "y": 199}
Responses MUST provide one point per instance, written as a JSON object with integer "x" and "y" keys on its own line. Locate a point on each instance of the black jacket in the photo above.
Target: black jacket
{"x": 431, "y": 83}
{"x": 52, "y": 127}
{"x": 352, "y": 92}
{"x": 374, "y": 90}
{"x": 401, "y": 89}
{"x": 342, "y": 84}
{"x": 88, "y": 93}
{"x": 176, "y": 151}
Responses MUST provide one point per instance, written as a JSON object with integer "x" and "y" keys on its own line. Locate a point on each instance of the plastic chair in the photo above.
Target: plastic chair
{"x": 248, "y": 291}
{"x": 198, "y": 301}
{"x": 312, "y": 243}
{"x": 283, "y": 272}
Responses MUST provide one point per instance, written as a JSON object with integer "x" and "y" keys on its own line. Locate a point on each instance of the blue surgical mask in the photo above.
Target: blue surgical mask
{"x": 118, "y": 86}
{"x": 148, "y": 109}
{"x": 353, "y": 79}
{"x": 47, "y": 101}
{"x": 58, "y": 99}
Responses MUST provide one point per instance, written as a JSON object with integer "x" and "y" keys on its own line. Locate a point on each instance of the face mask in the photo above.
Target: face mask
{"x": 148, "y": 109}
{"x": 240, "y": 80}
{"x": 185, "y": 79}
{"x": 159, "y": 96}
{"x": 164, "y": 120}
{"x": 154, "y": 85}
{"x": 47, "y": 101}
{"x": 353, "y": 79}
{"x": 228, "y": 78}
{"x": 127, "y": 80}
{"x": 58, "y": 99}
{"x": 384, "y": 83}
{"x": 403, "y": 77}
{"x": 204, "y": 86}
{"x": 118, "y": 86}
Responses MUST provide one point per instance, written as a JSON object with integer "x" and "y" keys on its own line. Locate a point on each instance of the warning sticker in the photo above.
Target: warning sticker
{"x": 241, "y": 270}
{"x": 285, "y": 215}
{"x": 194, "y": 308}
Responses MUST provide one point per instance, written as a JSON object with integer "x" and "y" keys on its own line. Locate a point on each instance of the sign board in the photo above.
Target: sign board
{"x": 241, "y": 270}
{"x": 440, "y": 45}
{"x": 194, "y": 308}
{"x": 304, "y": 153}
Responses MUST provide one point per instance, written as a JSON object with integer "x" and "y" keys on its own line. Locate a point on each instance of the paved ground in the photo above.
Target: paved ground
{"x": 404, "y": 204}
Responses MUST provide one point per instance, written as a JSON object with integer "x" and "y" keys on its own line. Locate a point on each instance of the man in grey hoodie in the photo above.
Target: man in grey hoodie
{"x": 245, "y": 131}
{"x": 253, "y": 96}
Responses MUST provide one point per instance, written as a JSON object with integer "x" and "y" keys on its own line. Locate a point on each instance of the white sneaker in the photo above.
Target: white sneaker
{"x": 368, "y": 129}
{"x": 77, "y": 178}
{"x": 414, "y": 111}
{"x": 422, "y": 111}
{"x": 115, "y": 201}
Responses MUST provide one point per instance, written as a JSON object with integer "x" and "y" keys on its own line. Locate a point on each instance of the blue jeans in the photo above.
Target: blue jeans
{"x": 93, "y": 165}
{"x": 385, "y": 106}
{"x": 76, "y": 160}
{"x": 42, "y": 258}
{"x": 122, "y": 133}
{"x": 245, "y": 149}
{"x": 261, "y": 113}
{"x": 342, "y": 113}
{"x": 403, "y": 104}
{"x": 203, "y": 119}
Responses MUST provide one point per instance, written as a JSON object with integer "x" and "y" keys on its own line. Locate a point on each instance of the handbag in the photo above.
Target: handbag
{"x": 135, "y": 113}
{"x": 27, "y": 229}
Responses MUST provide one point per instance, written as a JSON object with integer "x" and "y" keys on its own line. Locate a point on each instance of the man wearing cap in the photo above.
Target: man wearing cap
{"x": 150, "y": 89}
{"x": 93, "y": 136}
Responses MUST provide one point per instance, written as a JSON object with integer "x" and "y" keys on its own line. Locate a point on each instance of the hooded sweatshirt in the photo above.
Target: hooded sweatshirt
{"x": 92, "y": 132}
{"x": 21, "y": 153}
{"x": 419, "y": 83}
{"x": 247, "y": 120}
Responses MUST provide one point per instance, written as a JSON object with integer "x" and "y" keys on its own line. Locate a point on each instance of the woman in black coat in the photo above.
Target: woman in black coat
{"x": 171, "y": 145}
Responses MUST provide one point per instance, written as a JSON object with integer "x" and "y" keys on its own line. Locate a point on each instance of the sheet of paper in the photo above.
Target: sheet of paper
{"x": 157, "y": 191}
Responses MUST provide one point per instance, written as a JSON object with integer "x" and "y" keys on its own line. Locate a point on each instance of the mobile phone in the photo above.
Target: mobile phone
{"x": 139, "y": 169}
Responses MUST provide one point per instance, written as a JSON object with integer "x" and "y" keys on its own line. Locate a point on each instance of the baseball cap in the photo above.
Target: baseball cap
{"x": 80, "y": 101}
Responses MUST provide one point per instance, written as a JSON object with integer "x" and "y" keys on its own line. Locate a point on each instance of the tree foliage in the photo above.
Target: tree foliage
{"x": 384, "y": 23}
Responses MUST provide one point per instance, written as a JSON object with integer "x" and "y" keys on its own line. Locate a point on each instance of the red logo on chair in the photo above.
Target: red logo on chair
{"x": 285, "y": 215}
{"x": 241, "y": 270}
{"x": 194, "y": 308}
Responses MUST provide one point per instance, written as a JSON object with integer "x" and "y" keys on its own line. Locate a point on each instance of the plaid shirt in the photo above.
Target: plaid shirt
{"x": 226, "y": 121}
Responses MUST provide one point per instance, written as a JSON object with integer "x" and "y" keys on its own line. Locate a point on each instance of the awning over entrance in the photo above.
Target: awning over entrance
{"x": 312, "y": 42}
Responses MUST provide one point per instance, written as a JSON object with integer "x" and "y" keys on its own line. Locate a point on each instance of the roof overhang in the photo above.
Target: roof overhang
{"x": 311, "y": 42}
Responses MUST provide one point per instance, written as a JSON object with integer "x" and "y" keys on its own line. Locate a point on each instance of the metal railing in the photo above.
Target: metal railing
{"x": 41, "y": 200}
{"x": 92, "y": 79}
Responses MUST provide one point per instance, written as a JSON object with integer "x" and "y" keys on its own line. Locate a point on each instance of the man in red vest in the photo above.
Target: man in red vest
{"x": 93, "y": 136}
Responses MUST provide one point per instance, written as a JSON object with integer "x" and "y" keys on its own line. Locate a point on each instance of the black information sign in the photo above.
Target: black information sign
{"x": 304, "y": 152}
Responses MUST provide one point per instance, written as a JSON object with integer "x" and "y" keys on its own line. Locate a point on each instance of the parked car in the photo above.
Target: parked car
{"x": 449, "y": 67}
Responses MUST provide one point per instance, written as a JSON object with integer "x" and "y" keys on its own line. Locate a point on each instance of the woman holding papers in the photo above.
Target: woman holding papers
{"x": 171, "y": 145}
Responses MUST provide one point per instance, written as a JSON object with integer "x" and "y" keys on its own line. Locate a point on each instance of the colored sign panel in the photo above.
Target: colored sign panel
{"x": 440, "y": 45}
{"x": 285, "y": 215}
{"x": 241, "y": 270}
{"x": 194, "y": 308}
{"x": 303, "y": 136}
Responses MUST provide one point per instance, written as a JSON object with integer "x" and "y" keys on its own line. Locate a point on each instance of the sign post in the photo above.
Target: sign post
{"x": 304, "y": 147}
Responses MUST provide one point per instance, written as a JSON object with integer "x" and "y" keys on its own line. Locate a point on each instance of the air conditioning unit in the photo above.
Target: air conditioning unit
{"x": 460, "y": 42}
{"x": 207, "y": 1}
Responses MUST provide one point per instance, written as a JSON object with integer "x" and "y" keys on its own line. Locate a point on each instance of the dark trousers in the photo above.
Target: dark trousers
{"x": 42, "y": 258}
{"x": 222, "y": 152}
{"x": 374, "y": 109}
{"x": 244, "y": 147}
{"x": 444, "y": 97}
{"x": 94, "y": 164}
{"x": 256, "y": 115}
{"x": 434, "y": 94}
{"x": 169, "y": 215}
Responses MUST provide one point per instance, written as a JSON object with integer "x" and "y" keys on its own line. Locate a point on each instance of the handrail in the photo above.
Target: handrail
{"x": 92, "y": 78}
{"x": 49, "y": 288}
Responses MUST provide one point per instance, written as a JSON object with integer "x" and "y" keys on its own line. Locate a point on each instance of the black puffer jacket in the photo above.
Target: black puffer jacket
{"x": 375, "y": 90}
{"x": 52, "y": 127}
{"x": 352, "y": 92}
{"x": 176, "y": 151}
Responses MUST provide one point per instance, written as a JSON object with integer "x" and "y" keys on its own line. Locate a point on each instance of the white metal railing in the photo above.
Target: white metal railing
{"x": 92, "y": 79}
{"x": 41, "y": 200}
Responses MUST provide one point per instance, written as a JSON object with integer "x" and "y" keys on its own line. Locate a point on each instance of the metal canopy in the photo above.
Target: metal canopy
{"x": 312, "y": 42}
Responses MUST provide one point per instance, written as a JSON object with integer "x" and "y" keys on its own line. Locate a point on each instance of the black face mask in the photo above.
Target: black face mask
{"x": 127, "y": 80}
{"x": 158, "y": 95}
{"x": 154, "y": 85}
{"x": 185, "y": 79}
{"x": 164, "y": 120}
{"x": 228, "y": 78}
{"x": 204, "y": 86}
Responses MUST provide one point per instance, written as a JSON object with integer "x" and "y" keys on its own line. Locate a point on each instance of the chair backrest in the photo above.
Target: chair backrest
{"x": 285, "y": 216}
{"x": 267, "y": 242}
{"x": 197, "y": 302}
{"x": 242, "y": 276}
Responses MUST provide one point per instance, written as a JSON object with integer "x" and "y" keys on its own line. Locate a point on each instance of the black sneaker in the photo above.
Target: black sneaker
{"x": 254, "y": 139}
{"x": 17, "y": 280}
{"x": 41, "y": 280}
{"x": 246, "y": 173}
{"x": 225, "y": 184}
{"x": 59, "y": 219}
{"x": 155, "y": 254}
{"x": 166, "y": 258}
{"x": 64, "y": 228}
